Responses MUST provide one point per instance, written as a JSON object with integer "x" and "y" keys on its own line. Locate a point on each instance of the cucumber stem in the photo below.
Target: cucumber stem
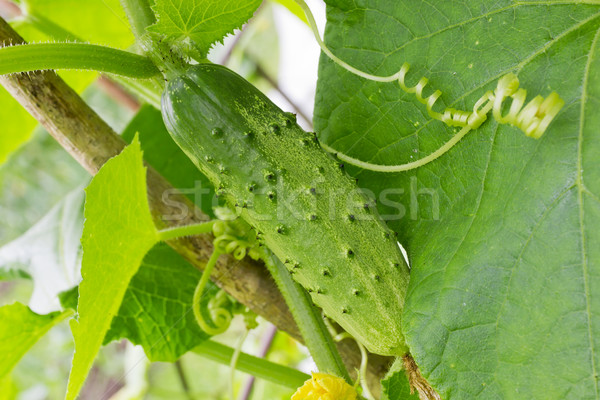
{"x": 165, "y": 57}
{"x": 141, "y": 16}
{"x": 310, "y": 322}
{"x": 149, "y": 90}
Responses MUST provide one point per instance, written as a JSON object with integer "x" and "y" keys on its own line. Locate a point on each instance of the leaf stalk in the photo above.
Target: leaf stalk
{"x": 258, "y": 367}
{"x": 80, "y": 56}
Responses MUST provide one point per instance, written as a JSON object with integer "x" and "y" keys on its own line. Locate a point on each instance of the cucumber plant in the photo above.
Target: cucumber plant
{"x": 303, "y": 214}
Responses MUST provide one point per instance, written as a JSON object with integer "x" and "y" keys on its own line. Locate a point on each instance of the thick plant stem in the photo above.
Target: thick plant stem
{"x": 417, "y": 382}
{"x": 81, "y": 56}
{"x": 140, "y": 15}
{"x": 255, "y": 366}
{"x": 310, "y": 322}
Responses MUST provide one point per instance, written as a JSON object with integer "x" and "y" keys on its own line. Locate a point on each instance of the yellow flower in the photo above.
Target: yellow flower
{"x": 325, "y": 387}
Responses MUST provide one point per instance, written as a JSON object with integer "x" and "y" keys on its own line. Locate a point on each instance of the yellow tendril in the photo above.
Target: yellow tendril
{"x": 325, "y": 387}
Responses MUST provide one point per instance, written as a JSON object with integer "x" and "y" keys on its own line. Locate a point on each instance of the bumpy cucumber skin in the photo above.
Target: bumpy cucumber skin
{"x": 305, "y": 208}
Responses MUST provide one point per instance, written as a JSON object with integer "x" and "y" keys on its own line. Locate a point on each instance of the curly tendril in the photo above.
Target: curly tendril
{"x": 221, "y": 317}
{"x": 230, "y": 244}
{"x": 231, "y": 237}
{"x": 533, "y": 119}
{"x": 234, "y": 236}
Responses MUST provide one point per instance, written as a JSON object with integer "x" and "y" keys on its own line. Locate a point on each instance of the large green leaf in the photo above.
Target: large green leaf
{"x": 502, "y": 232}
{"x": 157, "y": 308}
{"x": 202, "y": 22}
{"x": 20, "y": 328}
{"x": 117, "y": 233}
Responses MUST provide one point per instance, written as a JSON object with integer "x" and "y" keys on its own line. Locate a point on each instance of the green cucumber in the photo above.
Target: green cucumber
{"x": 307, "y": 210}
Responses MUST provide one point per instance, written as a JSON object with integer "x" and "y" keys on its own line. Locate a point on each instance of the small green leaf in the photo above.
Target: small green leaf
{"x": 117, "y": 233}
{"x": 156, "y": 311}
{"x": 395, "y": 385}
{"x": 69, "y": 298}
{"x": 20, "y": 328}
{"x": 202, "y": 22}
{"x": 157, "y": 308}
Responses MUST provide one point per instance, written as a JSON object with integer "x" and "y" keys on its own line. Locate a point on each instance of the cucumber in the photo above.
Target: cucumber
{"x": 303, "y": 205}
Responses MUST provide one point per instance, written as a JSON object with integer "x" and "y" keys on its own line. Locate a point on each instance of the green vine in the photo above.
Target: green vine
{"x": 81, "y": 56}
{"x": 259, "y": 367}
